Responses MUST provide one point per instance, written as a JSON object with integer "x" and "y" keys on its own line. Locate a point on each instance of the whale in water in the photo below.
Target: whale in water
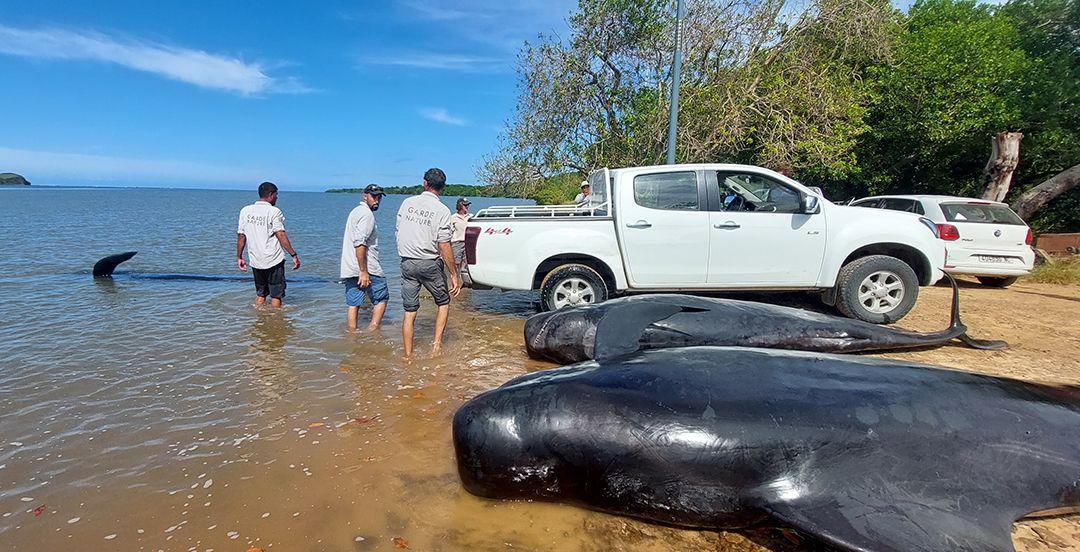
{"x": 859, "y": 453}
{"x": 105, "y": 267}
{"x": 628, "y": 324}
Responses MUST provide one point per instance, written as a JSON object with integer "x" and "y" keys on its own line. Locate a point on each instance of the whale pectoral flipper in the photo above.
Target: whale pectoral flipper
{"x": 618, "y": 333}
{"x": 861, "y": 521}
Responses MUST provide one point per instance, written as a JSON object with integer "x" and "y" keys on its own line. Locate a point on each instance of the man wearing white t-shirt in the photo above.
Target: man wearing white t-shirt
{"x": 262, "y": 230}
{"x": 360, "y": 268}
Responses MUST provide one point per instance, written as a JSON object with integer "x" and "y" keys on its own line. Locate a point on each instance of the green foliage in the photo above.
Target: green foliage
{"x": 451, "y": 190}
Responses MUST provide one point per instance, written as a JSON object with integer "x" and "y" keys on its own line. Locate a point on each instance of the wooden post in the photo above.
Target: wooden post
{"x": 1004, "y": 156}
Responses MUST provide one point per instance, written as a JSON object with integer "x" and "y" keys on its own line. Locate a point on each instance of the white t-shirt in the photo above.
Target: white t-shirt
{"x": 458, "y": 223}
{"x": 580, "y": 198}
{"x": 360, "y": 230}
{"x": 259, "y": 221}
{"x": 422, "y": 221}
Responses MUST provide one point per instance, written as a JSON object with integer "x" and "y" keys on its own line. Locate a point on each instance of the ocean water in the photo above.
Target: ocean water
{"x": 149, "y": 414}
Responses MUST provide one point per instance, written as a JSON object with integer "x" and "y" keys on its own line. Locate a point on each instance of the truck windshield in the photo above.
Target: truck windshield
{"x": 980, "y": 212}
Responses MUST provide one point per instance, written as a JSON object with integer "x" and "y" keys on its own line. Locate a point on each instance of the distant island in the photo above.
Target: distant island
{"x": 559, "y": 189}
{"x": 12, "y": 179}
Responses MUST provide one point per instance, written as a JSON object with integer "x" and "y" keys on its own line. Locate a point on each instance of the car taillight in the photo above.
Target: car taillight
{"x": 1029, "y": 238}
{"x": 948, "y": 232}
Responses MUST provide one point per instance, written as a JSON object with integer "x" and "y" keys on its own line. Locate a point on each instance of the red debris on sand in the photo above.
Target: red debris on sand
{"x": 400, "y": 543}
{"x": 39, "y": 510}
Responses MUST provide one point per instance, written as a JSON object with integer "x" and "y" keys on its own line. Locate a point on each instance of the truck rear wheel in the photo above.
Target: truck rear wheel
{"x": 571, "y": 285}
{"x": 878, "y": 289}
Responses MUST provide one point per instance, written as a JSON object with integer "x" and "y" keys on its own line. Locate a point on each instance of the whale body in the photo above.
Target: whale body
{"x": 860, "y": 453}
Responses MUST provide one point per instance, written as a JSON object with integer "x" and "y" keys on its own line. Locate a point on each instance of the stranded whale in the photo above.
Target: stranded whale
{"x": 627, "y": 324}
{"x": 860, "y": 453}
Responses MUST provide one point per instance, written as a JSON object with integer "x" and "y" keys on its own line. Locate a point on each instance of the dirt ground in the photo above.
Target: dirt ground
{"x": 1040, "y": 323}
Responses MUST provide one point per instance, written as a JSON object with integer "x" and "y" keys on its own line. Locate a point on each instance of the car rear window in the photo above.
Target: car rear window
{"x": 980, "y": 212}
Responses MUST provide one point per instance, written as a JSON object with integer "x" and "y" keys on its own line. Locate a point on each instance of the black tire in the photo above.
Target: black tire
{"x": 852, "y": 276}
{"x": 555, "y": 285}
{"x": 998, "y": 282}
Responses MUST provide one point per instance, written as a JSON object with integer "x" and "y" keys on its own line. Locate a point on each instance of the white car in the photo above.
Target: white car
{"x": 706, "y": 227}
{"x": 982, "y": 238}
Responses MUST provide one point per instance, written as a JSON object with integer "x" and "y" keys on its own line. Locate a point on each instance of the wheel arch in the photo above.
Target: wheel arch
{"x": 549, "y": 264}
{"x": 906, "y": 253}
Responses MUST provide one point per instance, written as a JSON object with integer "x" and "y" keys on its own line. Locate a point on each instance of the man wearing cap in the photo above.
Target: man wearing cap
{"x": 360, "y": 260}
{"x": 423, "y": 242}
{"x": 584, "y": 195}
{"x": 261, "y": 230}
{"x": 458, "y": 223}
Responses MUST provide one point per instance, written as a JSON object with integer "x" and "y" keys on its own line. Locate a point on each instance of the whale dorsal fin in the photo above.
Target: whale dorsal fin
{"x": 105, "y": 267}
{"x": 619, "y": 330}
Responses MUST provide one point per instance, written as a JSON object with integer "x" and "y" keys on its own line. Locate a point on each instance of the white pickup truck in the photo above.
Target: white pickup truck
{"x": 706, "y": 227}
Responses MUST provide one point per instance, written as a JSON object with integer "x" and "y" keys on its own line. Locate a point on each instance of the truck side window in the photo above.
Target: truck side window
{"x": 754, "y": 192}
{"x": 674, "y": 191}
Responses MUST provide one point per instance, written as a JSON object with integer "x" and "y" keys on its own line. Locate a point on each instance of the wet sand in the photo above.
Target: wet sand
{"x": 354, "y": 453}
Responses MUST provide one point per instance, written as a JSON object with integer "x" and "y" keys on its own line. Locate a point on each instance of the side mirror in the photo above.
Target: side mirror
{"x": 810, "y": 204}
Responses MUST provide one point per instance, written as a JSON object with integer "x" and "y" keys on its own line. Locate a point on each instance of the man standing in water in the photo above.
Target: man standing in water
{"x": 458, "y": 223}
{"x": 262, "y": 230}
{"x": 360, "y": 266}
{"x": 423, "y": 241}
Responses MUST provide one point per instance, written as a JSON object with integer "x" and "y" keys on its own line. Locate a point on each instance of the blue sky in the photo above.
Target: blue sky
{"x": 225, "y": 94}
{"x": 310, "y": 95}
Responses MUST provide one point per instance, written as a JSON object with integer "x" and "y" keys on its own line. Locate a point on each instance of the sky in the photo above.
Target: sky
{"x": 309, "y": 95}
{"x": 210, "y": 94}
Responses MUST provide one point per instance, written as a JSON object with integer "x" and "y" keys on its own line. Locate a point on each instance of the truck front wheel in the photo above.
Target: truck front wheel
{"x": 571, "y": 285}
{"x": 878, "y": 288}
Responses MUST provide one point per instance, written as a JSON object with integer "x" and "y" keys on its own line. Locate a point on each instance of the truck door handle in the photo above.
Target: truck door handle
{"x": 639, "y": 224}
{"x": 729, "y": 225}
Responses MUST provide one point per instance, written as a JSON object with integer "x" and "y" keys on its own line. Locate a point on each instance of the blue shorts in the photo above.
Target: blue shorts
{"x": 377, "y": 292}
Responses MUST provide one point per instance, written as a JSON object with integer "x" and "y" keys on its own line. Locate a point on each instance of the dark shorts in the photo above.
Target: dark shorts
{"x": 459, "y": 254}
{"x": 270, "y": 281}
{"x": 422, "y": 272}
{"x": 377, "y": 292}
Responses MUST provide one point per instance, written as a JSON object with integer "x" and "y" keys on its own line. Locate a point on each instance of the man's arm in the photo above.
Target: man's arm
{"x": 447, "y": 254}
{"x": 284, "y": 239}
{"x": 241, "y": 241}
{"x": 361, "y": 260}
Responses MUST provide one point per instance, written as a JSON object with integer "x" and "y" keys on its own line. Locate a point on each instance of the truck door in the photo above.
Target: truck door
{"x": 664, "y": 228}
{"x": 760, "y": 236}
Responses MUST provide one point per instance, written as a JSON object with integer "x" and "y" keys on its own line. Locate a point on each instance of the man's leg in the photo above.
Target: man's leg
{"x": 262, "y": 288}
{"x": 379, "y": 295}
{"x": 260, "y": 300}
{"x": 354, "y": 313}
{"x": 275, "y": 302}
{"x": 440, "y": 326}
{"x": 410, "y": 301}
{"x": 407, "y": 332}
{"x": 277, "y": 285}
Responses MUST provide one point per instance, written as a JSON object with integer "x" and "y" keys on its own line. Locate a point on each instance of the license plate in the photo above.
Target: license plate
{"x": 989, "y": 259}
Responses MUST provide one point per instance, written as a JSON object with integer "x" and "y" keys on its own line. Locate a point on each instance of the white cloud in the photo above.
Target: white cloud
{"x": 448, "y": 62}
{"x": 182, "y": 64}
{"x": 45, "y": 165}
{"x": 441, "y": 115}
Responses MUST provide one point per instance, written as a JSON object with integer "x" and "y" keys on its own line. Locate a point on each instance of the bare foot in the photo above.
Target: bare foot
{"x": 436, "y": 349}
{"x": 372, "y": 328}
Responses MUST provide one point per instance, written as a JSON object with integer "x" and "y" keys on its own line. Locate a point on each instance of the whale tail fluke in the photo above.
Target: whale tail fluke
{"x": 105, "y": 267}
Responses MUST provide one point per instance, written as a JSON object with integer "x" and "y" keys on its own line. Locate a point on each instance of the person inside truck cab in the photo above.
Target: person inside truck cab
{"x": 753, "y": 193}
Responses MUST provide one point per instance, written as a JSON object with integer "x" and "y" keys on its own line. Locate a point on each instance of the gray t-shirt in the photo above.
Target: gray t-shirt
{"x": 360, "y": 230}
{"x": 259, "y": 222}
{"x": 422, "y": 221}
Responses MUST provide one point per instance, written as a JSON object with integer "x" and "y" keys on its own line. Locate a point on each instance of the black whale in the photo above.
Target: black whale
{"x": 861, "y": 453}
{"x": 625, "y": 325}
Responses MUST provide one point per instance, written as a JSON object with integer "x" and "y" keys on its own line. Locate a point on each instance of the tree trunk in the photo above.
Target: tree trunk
{"x": 1004, "y": 156}
{"x": 1033, "y": 199}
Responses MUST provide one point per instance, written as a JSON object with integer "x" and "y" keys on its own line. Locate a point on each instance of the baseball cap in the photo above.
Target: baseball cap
{"x": 463, "y": 201}
{"x": 374, "y": 190}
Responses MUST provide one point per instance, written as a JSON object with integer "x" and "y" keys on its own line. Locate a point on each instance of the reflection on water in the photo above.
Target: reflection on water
{"x": 167, "y": 414}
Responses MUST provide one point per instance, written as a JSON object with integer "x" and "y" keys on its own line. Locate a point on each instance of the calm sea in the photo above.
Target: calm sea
{"x": 146, "y": 414}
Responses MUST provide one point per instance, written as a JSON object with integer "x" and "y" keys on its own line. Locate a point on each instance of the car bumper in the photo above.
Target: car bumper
{"x": 975, "y": 263}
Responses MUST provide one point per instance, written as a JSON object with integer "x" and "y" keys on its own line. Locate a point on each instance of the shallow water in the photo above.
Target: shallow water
{"x": 144, "y": 414}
